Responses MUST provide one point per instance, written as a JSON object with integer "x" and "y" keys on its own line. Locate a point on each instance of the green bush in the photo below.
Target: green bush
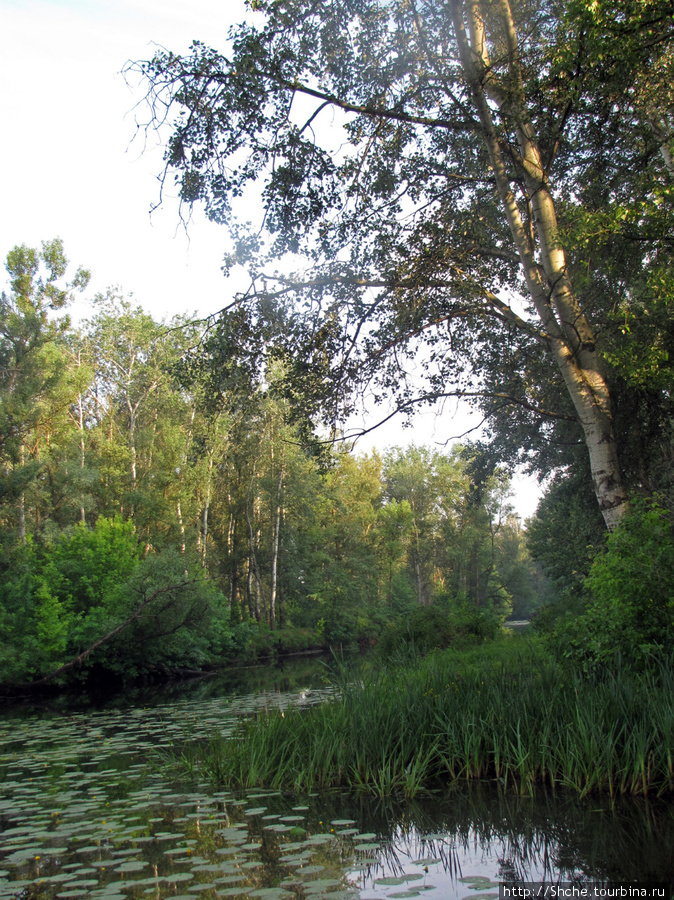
{"x": 427, "y": 628}
{"x": 253, "y": 641}
{"x": 296, "y": 640}
{"x": 31, "y": 626}
{"x": 57, "y": 602}
{"x": 182, "y": 620}
{"x": 629, "y": 615}
{"x": 86, "y": 566}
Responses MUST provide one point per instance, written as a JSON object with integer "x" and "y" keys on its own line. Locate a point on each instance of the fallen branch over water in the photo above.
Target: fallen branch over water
{"x": 81, "y": 657}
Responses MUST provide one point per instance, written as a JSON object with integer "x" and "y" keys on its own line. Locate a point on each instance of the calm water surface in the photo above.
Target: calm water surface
{"x": 87, "y": 810}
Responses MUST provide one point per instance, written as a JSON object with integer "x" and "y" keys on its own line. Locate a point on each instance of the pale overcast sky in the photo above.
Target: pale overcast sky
{"x": 70, "y": 168}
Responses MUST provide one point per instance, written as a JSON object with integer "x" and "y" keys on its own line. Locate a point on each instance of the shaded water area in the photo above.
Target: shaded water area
{"x": 88, "y": 809}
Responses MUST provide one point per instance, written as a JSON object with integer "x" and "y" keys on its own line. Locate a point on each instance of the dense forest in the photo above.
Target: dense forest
{"x": 136, "y": 496}
{"x": 486, "y": 215}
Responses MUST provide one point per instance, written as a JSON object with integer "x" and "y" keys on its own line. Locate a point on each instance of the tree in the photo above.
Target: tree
{"x": 566, "y": 534}
{"x": 35, "y": 384}
{"x": 395, "y": 522}
{"x": 410, "y": 479}
{"x": 128, "y": 346}
{"x": 337, "y": 556}
{"x": 436, "y": 227}
{"x": 627, "y": 620}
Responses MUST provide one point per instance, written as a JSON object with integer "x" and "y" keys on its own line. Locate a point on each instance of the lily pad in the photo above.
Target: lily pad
{"x": 395, "y": 880}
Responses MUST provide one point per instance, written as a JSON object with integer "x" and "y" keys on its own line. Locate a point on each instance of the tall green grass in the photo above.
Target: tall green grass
{"x": 413, "y": 726}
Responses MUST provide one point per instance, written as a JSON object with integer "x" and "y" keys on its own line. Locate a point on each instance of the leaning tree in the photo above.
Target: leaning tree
{"x": 440, "y": 182}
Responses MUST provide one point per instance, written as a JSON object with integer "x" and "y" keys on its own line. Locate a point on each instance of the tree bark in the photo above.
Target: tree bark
{"x": 253, "y": 568}
{"x": 204, "y": 517}
{"x": 275, "y": 553}
{"x": 181, "y": 526}
{"x": 569, "y": 334}
{"x": 22, "y": 506}
{"x": 83, "y": 517}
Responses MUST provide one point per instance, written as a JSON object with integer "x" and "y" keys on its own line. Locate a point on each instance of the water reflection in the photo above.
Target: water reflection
{"x": 86, "y": 810}
{"x": 293, "y": 674}
{"x": 478, "y": 830}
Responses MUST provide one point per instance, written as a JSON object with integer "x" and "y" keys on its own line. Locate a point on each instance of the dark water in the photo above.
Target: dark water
{"x": 87, "y": 810}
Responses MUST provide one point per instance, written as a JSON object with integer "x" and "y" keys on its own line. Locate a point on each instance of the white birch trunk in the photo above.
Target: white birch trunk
{"x": 253, "y": 568}
{"x": 569, "y": 334}
{"x": 181, "y": 526}
{"x": 275, "y": 551}
{"x": 204, "y": 517}
{"x": 83, "y": 518}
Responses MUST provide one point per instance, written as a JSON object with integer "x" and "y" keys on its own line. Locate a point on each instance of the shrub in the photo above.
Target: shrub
{"x": 58, "y": 603}
{"x": 85, "y": 567}
{"x": 629, "y": 613}
{"x": 182, "y": 623}
{"x": 31, "y": 624}
{"x": 427, "y": 628}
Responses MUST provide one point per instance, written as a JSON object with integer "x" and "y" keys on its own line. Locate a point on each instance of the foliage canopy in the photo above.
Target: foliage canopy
{"x": 452, "y": 175}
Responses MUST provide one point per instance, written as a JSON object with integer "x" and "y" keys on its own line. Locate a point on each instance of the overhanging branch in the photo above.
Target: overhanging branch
{"x": 434, "y": 396}
{"x": 501, "y": 309}
{"x": 79, "y": 659}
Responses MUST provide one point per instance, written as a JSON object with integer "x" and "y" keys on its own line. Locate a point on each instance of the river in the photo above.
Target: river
{"x": 87, "y": 809}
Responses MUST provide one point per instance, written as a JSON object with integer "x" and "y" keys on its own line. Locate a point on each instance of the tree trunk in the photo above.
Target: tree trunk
{"x": 253, "y": 569}
{"x": 418, "y": 571}
{"x": 204, "y": 518}
{"x": 132, "y": 442}
{"x": 235, "y": 606}
{"x": 275, "y": 552}
{"x": 568, "y": 333}
{"x": 181, "y": 526}
{"x": 80, "y": 423}
{"x": 22, "y": 506}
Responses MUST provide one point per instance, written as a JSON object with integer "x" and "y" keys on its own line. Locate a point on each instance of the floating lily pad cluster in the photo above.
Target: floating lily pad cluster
{"x": 84, "y": 813}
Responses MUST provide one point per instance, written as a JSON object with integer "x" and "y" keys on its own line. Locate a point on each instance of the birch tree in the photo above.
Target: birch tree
{"x": 421, "y": 157}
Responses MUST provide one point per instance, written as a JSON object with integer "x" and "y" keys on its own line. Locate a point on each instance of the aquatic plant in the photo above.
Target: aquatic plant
{"x": 399, "y": 731}
{"x": 82, "y": 814}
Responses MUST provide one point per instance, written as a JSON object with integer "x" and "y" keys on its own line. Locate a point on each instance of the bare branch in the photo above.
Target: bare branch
{"x": 79, "y": 659}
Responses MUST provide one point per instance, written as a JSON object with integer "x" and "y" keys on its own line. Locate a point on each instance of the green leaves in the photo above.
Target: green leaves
{"x": 424, "y": 209}
{"x": 86, "y": 567}
{"x": 628, "y": 616}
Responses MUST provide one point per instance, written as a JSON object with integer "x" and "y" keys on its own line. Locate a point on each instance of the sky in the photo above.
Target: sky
{"x": 74, "y": 164}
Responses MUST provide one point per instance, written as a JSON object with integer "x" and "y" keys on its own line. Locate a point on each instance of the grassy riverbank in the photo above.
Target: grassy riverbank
{"x": 502, "y": 711}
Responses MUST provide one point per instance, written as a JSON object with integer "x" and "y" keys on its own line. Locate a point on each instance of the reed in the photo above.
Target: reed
{"x": 403, "y": 730}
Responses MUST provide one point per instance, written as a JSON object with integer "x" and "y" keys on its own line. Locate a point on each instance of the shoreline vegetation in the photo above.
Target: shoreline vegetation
{"x": 504, "y": 711}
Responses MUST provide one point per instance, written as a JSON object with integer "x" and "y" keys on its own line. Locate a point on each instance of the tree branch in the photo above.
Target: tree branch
{"x": 79, "y": 659}
{"x": 373, "y": 112}
{"x": 501, "y": 309}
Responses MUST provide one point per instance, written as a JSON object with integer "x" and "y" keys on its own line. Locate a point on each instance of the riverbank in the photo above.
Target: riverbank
{"x": 256, "y": 645}
{"x": 252, "y": 643}
{"x": 502, "y": 712}
{"x": 85, "y": 811}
